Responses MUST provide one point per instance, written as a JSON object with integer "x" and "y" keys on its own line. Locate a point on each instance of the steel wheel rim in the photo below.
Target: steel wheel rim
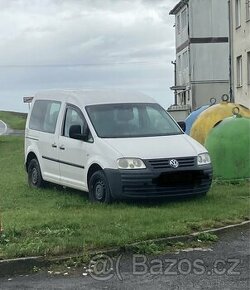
{"x": 99, "y": 190}
{"x": 34, "y": 176}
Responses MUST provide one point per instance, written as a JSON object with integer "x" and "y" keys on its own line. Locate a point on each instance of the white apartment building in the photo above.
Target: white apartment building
{"x": 240, "y": 50}
{"x": 202, "y": 52}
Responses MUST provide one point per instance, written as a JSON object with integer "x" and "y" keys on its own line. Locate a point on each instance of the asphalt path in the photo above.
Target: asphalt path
{"x": 223, "y": 266}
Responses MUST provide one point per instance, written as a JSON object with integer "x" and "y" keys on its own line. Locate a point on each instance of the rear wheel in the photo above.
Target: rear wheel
{"x": 99, "y": 190}
{"x": 34, "y": 174}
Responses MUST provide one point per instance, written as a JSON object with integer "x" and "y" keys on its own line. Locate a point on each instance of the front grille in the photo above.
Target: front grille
{"x": 166, "y": 184}
{"x": 164, "y": 163}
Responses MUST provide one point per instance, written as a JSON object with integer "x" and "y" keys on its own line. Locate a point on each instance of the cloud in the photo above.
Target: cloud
{"x": 123, "y": 41}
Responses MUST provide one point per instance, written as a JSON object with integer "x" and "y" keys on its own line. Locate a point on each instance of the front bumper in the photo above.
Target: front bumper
{"x": 149, "y": 183}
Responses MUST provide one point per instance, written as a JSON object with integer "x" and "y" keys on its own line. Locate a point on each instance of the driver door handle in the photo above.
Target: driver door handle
{"x": 62, "y": 147}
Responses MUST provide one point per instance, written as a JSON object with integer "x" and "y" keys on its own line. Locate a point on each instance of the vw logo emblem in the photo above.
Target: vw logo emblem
{"x": 174, "y": 163}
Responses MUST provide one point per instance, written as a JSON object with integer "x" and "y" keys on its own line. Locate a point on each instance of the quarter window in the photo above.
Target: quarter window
{"x": 44, "y": 116}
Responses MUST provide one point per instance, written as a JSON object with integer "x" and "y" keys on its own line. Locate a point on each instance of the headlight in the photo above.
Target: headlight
{"x": 130, "y": 163}
{"x": 203, "y": 159}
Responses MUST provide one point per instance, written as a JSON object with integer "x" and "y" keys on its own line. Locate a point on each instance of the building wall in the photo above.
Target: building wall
{"x": 205, "y": 91}
{"x": 182, "y": 40}
{"x": 209, "y": 18}
{"x": 181, "y": 33}
{"x": 182, "y": 59}
{"x": 210, "y": 61}
{"x": 241, "y": 47}
{"x": 202, "y": 51}
{"x": 182, "y": 55}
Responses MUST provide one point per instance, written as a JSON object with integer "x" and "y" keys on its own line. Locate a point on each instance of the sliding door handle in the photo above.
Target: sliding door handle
{"x": 54, "y": 145}
{"x": 62, "y": 147}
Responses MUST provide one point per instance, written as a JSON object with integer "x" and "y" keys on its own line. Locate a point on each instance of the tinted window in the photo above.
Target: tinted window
{"x": 44, "y": 116}
{"x": 131, "y": 120}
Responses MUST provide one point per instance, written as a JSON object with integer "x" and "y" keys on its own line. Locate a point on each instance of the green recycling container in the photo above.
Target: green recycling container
{"x": 228, "y": 144}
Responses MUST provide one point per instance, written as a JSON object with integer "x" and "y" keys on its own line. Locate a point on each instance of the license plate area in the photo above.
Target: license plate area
{"x": 179, "y": 178}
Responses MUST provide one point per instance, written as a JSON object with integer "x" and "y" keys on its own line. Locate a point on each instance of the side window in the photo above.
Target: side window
{"x": 44, "y": 116}
{"x": 74, "y": 117}
{"x": 51, "y": 117}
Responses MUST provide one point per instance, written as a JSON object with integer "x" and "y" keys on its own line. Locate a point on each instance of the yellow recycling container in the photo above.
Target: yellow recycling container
{"x": 214, "y": 115}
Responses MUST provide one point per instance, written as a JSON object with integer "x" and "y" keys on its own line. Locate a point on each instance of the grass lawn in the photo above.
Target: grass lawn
{"x": 14, "y": 119}
{"x": 57, "y": 221}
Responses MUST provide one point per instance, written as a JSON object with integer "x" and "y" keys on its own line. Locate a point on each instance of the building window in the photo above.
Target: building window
{"x": 179, "y": 63}
{"x": 239, "y": 70}
{"x": 183, "y": 18}
{"x": 238, "y": 13}
{"x": 185, "y": 59}
{"x": 247, "y": 10}
{"x": 178, "y": 24}
{"x": 248, "y": 68}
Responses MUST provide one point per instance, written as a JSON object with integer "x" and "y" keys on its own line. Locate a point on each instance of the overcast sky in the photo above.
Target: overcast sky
{"x": 85, "y": 44}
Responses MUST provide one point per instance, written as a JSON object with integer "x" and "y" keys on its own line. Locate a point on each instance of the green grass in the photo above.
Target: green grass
{"x": 56, "y": 221}
{"x": 14, "y": 120}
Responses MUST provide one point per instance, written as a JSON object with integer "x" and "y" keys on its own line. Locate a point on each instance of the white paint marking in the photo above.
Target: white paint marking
{"x": 3, "y": 128}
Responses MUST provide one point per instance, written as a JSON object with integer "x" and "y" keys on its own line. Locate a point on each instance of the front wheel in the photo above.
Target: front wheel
{"x": 99, "y": 190}
{"x": 34, "y": 174}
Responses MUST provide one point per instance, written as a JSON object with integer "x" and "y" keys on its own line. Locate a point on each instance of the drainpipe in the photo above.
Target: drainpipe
{"x": 230, "y": 18}
{"x": 189, "y": 61}
{"x": 175, "y": 82}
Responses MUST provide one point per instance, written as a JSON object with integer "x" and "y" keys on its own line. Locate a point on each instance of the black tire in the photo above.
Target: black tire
{"x": 99, "y": 190}
{"x": 35, "y": 178}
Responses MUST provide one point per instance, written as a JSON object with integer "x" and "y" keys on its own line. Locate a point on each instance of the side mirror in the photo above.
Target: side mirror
{"x": 182, "y": 125}
{"x": 75, "y": 133}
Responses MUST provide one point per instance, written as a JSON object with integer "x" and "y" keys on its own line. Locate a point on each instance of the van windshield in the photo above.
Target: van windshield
{"x": 131, "y": 120}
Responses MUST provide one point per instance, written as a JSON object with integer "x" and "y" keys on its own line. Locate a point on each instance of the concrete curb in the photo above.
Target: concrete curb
{"x": 192, "y": 236}
{"x": 11, "y": 267}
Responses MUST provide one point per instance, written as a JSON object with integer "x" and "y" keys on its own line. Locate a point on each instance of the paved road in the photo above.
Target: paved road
{"x": 224, "y": 266}
{"x": 3, "y": 127}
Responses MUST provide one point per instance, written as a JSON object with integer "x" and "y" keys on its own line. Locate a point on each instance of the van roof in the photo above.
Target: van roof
{"x": 94, "y": 97}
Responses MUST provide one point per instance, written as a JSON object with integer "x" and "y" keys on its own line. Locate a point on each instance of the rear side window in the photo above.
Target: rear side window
{"x": 44, "y": 116}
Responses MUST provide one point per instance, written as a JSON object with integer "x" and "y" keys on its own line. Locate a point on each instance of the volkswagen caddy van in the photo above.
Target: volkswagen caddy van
{"x": 113, "y": 145}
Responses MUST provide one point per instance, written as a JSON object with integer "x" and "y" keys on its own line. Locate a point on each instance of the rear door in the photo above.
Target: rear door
{"x": 42, "y": 132}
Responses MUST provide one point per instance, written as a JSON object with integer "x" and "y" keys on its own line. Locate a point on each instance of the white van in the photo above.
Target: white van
{"x": 112, "y": 144}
